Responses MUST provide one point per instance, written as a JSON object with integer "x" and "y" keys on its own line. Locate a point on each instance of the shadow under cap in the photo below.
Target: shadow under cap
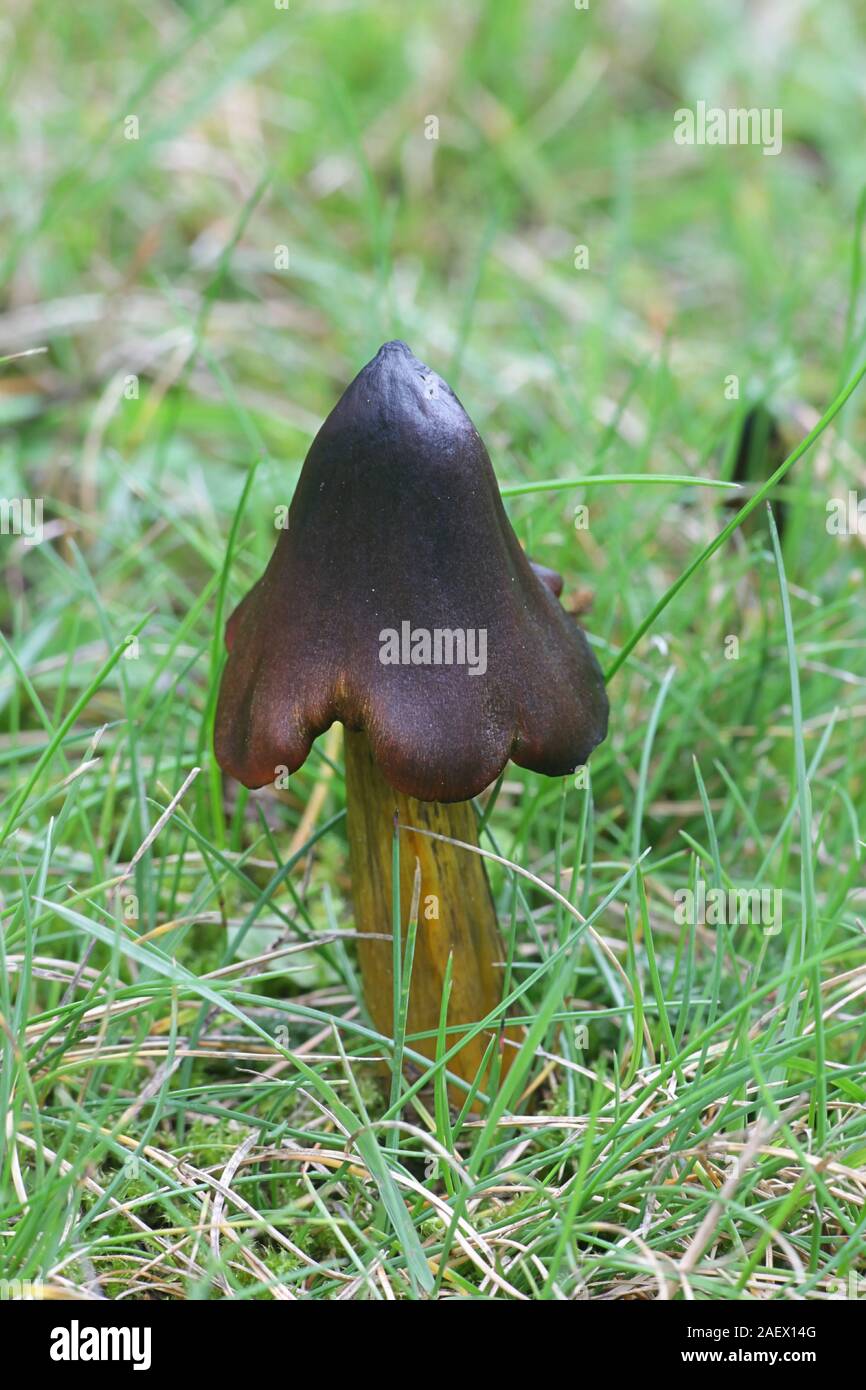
{"x": 397, "y": 518}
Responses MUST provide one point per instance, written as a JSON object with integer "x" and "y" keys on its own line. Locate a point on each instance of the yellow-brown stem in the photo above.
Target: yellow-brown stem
{"x": 456, "y": 914}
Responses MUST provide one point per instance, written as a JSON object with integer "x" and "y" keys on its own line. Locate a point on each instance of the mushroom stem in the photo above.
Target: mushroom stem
{"x": 456, "y": 915}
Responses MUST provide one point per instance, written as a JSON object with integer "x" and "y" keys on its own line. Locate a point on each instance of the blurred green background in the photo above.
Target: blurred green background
{"x": 282, "y": 212}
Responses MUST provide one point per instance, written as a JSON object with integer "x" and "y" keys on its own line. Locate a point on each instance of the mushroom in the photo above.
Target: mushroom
{"x": 399, "y": 602}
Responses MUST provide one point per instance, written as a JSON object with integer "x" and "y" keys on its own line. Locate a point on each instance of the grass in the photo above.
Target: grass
{"x": 193, "y": 1106}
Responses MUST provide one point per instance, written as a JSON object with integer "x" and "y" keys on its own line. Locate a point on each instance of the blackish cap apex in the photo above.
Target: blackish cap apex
{"x": 397, "y": 530}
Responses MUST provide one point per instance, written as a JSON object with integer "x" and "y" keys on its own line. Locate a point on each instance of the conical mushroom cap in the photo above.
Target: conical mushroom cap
{"x": 397, "y": 527}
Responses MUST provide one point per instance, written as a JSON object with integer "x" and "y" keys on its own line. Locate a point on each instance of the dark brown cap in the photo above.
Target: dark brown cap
{"x": 399, "y": 601}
